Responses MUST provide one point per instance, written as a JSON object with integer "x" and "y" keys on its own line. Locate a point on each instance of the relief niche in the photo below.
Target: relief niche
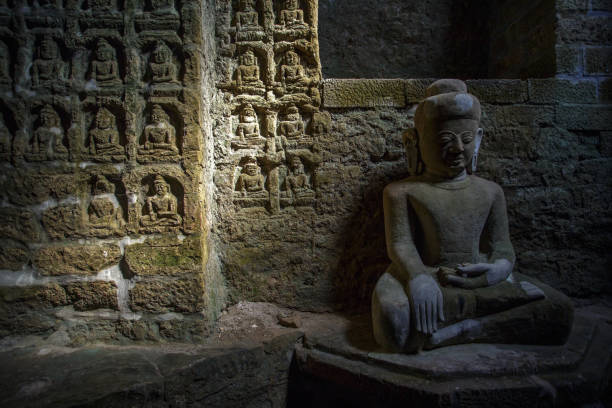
{"x": 159, "y": 136}
{"x": 104, "y": 68}
{"x": 48, "y": 65}
{"x": 49, "y": 141}
{"x": 105, "y": 214}
{"x": 161, "y": 209}
{"x": 104, "y": 138}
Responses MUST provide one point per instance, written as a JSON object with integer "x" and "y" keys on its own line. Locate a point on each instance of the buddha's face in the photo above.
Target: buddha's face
{"x": 291, "y": 4}
{"x": 293, "y": 117}
{"x": 246, "y": 5}
{"x": 291, "y": 58}
{"x": 48, "y": 50}
{"x": 248, "y": 59}
{"x": 103, "y": 121}
{"x": 248, "y": 117}
{"x": 104, "y": 54}
{"x": 47, "y": 119}
{"x": 160, "y": 55}
{"x": 251, "y": 169}
{"x": 448, "y": 146}
{"x": 297, "y": 166}
{"x": 161, "y": 188}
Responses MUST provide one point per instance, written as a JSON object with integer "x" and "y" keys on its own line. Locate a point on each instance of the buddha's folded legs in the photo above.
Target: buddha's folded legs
{"x": 527, "y": 313}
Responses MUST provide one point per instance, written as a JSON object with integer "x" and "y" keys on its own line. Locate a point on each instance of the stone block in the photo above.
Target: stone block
{"x": 76, "y": 260}
{"x": 587, "y": 29}
{"x": 569, "y": 59}
{"x": 415, "y": 89}
{"x": 606, "y": 144}
{"x": 598, "y": 60}
{"x": 13, "y": 258}
{"x": 499, "y": 91}
{"x": 363, "y": 93}
{"x": 20, "y": 225}
{"x": 43, "y": 296}
{"x": 171, "y": 295}
{"x": 93, "y": 295}
{"x": 572, "y": 5}
{"x": 553, "y": 91}
{"x": 527, "y": 115}
{"x": 605, "y": 90}
{"x": 63, "y": 221}
{"x": 164, "y": 256}
{"x": 584, "y": 117}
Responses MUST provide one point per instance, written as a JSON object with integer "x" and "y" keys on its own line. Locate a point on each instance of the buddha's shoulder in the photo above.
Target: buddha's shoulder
{"x": 485, "y": 184}
{"x": 409, "y": 185}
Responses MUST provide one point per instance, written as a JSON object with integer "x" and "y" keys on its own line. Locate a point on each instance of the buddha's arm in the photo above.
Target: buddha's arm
{"x": 495, "y": 240}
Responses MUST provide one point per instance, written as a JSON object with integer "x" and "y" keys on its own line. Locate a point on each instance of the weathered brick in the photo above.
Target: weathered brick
{"x": 76, "y": 260}
{"x": 572, "y": 5}
{"x": 605, "y": 90}
{"x": 584, "y": 117}
{"x": 160, "y": 296}
{"x": 13, "y": 258}
{"x": 93, "y": 295}
{"x": 20, "y": 225}
{"x": 527, "y": 115}
{"x": 62, "y": 221}
{"x": 598, "y": 60}
{"x": 499, "y": 91}
{"x": 569, "y": 59}
{"x": 590, "y": 30}
{"x": 363, "y": 93}
{"x": 552, "y": 91}
{"x": 164, "y": 257}
{"x": 605, "y": 144}
{"x": 45, "y": 296}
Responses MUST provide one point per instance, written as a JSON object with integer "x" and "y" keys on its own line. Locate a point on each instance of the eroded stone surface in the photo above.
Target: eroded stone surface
{"x": 76, "y": 260}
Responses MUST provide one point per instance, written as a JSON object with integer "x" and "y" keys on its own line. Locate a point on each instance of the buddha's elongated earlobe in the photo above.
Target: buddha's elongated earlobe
{"x": 477, "y": 141}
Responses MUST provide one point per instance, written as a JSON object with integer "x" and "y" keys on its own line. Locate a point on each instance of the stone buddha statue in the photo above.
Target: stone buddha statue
{"x": 161, "y": 7}
{"x": 49, "y": 136}
{"x": 104, "y": 136}
{"x": 247, "y": 132}
{"x": 161, "y": 207}
{"x": 160, "y": 135}
{"x": 5, "y": 76}
{"x": 251, "y": 182}
{"x": 293, "y": 78}
{"x": 48, "y": 66}
{"x": 292, "y": 127}
{"x": 451, "y": 279}
{"x": 247, "y": 73}
{"x": 297, "y": 183}
{"x": 104, "y": 68}
{"x": 292, "y": 16}
{"x": 247, "y": 18}
{"x": 104, "y": 212}
{"x": 162, "y": 68}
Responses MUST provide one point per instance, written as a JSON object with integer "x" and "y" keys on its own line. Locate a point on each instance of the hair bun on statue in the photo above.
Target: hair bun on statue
{"x": 447, "y": 99}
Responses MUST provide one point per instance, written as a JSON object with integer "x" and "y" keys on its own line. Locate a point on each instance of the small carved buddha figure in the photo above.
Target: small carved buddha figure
{"x": 292, "y": 16}
{"x": 5, "y": 76}
{"x": 48, "y": 66}
{"x": 251, "y": 181}
{"x": 163, "y": 7}
{"x": 247, "y": 18}
{"x": 162, "y": 206}
{"x": 297, "y": 181}
{"x": 160, "y": 135}
{"x": 101, "y": 5}
{"x": 104, "y": 211}
{"x": 49, "y": 136}
{"x": 248, "y": 128}
{"x": 292, "y": 73}
{"x": 104, "y": 136}
{"x": 451, "y": 278}
{"x": 292, "y": 127}
{"x": 104, "y": 68}
{"x": 5, "y": 139}
{"x": 162, "y": 68}
{"x": 248, "y": 71}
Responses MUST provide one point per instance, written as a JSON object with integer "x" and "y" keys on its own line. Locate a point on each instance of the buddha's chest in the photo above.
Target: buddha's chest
{"x": 48, "y": 69}
{"x": 249, "y": 71}
{"x": 104, "y": 68}
{"x": 157, "y": 134}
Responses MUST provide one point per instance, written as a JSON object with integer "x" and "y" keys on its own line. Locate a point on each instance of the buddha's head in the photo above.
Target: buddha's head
{"x": 48, "y": 49}
{"x": 247, "y": 115}
{"x": 103, "y": 186}
{"x": 161, "y": 53}
{"x": 291, "y": 4}
{"x": 251, "y": 167}
{"x": 296, "y": 165}
{"x": 293, "y": 114}
{"x": 49, "y": 117}
{"x": 291, "y": 58}
{"x": 447, "y": 124}
{"x": 160, "y": 186}
{"x": 104, "y": 51}
{"x": 248, "y": 58}
{"x": 159, "y": 115}
{"x": 105, "y": 119}
{"x": 247, "y": 5}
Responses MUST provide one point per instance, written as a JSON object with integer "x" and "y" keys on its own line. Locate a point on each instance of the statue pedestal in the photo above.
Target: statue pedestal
{"x": 343, "y": 366}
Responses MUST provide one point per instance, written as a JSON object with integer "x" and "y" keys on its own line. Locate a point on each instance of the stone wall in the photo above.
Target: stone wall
{"x": 101, "y": 220}
{"x": 547, "y": 143}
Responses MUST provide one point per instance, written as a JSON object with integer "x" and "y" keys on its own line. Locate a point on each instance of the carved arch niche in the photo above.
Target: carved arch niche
{"x": 162, "y": 65}
{"x": 101, "y": 70}
{"x": 51, "y": 61}
{"x": 157, "y": 210}
{"x": 48, "y": 136}
{"x": 104, "y": 130}
{"x": 106, "y": 206}
{"x": 153, "y": 143}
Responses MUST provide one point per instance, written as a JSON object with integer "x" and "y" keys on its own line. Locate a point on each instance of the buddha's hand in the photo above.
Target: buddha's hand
{"x": 427, "y": 303}
{"x": 472, "y": 276}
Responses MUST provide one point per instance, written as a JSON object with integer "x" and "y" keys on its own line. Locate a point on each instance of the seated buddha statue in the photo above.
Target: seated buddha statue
{"x": 292, "y": 17}
{"x": 104, "y": 212}
{"x": 162, "y": 68}
{"x": 104, "y": 68}
{"x": 451, "y": 277}
{"x": 247, "y": 18}
{"x": 247, "y": 132}
{"x": 161, "y": 207}
{"x": 160, "y": 135}
{"x": 247, "y": 73}
{"x": 251, "y": 181}
{"x": 292, "y": 74}
{"x": 104, "y": 136}
{"x": 48, "y": 66}
{"x": 297, "y": 183}
{"x": 292, "y": 127}
{"x": 49, "y": 136}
